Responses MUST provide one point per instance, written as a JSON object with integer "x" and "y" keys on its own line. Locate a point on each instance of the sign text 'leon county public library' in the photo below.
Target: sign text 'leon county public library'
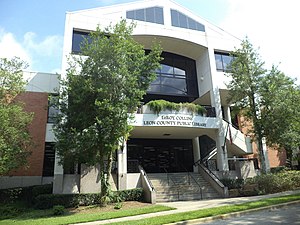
{"x": 174, "y": 120}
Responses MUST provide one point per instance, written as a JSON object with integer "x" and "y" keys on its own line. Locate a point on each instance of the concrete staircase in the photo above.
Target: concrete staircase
{"x": 181, "y": 187}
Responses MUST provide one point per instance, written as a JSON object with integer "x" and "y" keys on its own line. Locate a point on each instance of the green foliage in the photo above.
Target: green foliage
{"x": 14, "y": 136}
{"x": 232, "y": 183}
{"x": 24, "y": 194}
{"x": 47, "y": 201}
{"x": 58, "y": 210}
{"x": 10, "y": 211}
{"x": 160, "y": 105}
{"x": 273, "y": 183}
{"x": 99, "y": 93}
{"x": 267, "y": 98}
{"x": 118, "y": 205}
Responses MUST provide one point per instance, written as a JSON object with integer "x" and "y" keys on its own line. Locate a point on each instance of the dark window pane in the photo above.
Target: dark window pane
{"x": 200, "y": 27}
{"x": 219, "y": 63}
{"x": 174, "y": 18}
{"x": 166, "y": 69}
{"x": 182, "y": 21}
{"x": 77, "y": 41}
{"x": 130, "y": 14}
{"x": 192, "y": 24}
{"x": 140, "y": 14}
{"x": 159, "y": 15}
{"x": 150, "y": 15}
{"x": 49, "y": 159}
{"x": 226, "y": 61}
{"x": 173, "y": 85}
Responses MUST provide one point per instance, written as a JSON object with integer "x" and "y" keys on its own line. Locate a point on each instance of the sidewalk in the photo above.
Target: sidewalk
{"x": 185, "y": 206}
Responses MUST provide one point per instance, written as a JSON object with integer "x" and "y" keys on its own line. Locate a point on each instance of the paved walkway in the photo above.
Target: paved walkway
{"x": 185, "y": 206}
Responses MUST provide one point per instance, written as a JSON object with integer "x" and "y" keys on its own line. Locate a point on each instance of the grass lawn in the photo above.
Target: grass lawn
{"x": 212, "y": 211}
{"x": 33, "y": 217}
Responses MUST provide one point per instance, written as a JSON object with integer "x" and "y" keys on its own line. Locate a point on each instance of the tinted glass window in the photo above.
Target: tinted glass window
{"x": 177, "y": 76}
{"x": 77, "y": 40}
{"x": 180, "y": 20}
{"x": 174, "y": 18}
{"x": 152, "y": 15}
{"x": 49, "y": 159}
{"x": 223, "y": 61}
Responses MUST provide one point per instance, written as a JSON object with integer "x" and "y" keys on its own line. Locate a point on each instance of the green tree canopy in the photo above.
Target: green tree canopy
{"x": 268, "y": 98}
{"x": 14, "y": 136}
{"x": 101, "y": 90}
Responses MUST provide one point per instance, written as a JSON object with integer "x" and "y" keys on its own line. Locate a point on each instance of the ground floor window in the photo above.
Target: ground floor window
{"x": 160, "y": 155}
{"x": 49, "y": 159}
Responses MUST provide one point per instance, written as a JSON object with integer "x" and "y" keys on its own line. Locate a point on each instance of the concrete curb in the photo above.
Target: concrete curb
{"x": 234, "y": 214}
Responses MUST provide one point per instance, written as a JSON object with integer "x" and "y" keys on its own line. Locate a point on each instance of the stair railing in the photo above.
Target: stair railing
{"x": 169, "y": 177}
{"x": 212, "y": 178}
{"x": 190, "y": 176}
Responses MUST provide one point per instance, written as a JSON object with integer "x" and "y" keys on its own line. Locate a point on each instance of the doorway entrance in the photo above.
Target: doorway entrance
{"x": 161, "y": 155}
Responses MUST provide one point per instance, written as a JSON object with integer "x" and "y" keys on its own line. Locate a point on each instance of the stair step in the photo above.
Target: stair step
{"x": 167, "y": 189}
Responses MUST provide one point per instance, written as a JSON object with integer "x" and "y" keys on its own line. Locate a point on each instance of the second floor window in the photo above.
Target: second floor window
{"x": 223, "y": 61}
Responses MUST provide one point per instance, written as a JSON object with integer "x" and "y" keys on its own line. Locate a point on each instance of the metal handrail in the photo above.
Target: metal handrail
{"x": 189, "y": 178}
{"x": 169, "y": 177}
{"x": 200, "y": 162}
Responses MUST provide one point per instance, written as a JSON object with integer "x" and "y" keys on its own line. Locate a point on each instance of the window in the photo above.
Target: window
{"x": 77, "y": 41}
{"x": 49, "y": 159}
{"x": 152, "y": 15}
{"x": 183, "y": 21}
{"x": 52, "y": 110}
{"x": 177, "y": 76}
{"x": 223, "y": 61}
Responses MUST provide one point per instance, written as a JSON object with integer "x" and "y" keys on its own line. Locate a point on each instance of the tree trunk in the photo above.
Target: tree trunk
{"x": 103, "y": 191}
{"x": 262, "y": 158}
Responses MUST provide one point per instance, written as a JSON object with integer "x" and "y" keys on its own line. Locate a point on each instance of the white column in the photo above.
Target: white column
{"x": 196, "y": 151}
{"x": 122, "y": 167}
{"x": 58, "y": 178}
{"x": 222, "y": 158}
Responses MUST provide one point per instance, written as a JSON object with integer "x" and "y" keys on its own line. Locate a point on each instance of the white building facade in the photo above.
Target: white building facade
{"x": 195, "y": 54}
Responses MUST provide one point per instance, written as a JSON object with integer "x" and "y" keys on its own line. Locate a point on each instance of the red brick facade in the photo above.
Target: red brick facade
{"x": 38, "y": 104}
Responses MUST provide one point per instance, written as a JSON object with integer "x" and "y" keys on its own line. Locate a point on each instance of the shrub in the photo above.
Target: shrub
{"x": 10, "y": 211}
{"x": 118, "y": 205}
{"x": 47, "y": 201}
{"x": 281, "y": 181}
{"x": 24, "y": 194}
{"x": 232, "y": 183}
{"x": 160, "y": 105}
{"x": 58, "y": 210}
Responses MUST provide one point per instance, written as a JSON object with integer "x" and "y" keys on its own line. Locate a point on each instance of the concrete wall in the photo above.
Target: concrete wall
{"x": 19, "y": 181}
{"x": 134, "y": 180}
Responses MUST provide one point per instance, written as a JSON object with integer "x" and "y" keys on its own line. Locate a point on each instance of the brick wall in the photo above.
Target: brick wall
{"x": 37, "y": 103}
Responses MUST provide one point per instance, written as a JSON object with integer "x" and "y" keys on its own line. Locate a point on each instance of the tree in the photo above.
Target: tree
{"x": 14, "y": 135}
{"x": 101, "y": 90}
{"x": 265, "y": 98}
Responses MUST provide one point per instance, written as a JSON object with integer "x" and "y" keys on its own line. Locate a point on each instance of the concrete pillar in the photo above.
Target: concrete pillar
{"x": 58, "y": 179}
{"x": 122, "y": 167}
{"x": 222, "y": 158}
{"x": 227, "y": 114}
{"x": 196, "y": 151}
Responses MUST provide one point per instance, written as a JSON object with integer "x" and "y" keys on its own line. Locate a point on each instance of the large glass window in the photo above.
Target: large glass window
{"x": 49, "y": 159}
{"x": 183, "y": 21}
{"x": 77, "y": 41}
{"x": 52, "y": 110}
{"x": 223, "y": 61}
{"x": 177, "y": 77}
{"x": 152, "y": 15}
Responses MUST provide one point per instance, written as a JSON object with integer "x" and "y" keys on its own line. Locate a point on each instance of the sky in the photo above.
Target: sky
{"x": 34, "y": 29}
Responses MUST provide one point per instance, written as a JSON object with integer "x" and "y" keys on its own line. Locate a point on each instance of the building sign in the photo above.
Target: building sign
{"x": 174, "y": 120}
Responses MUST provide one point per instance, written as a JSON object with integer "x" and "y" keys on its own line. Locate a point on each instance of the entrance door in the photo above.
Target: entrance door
{"x": 160, "y": 155}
